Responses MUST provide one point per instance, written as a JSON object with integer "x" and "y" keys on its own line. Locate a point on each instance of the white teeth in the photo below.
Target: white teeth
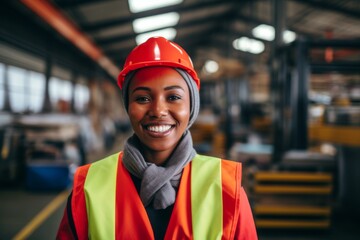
{"x": 161, "y": 128}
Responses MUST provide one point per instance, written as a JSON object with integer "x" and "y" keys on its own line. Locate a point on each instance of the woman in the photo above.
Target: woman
{"x": 158, "y": 187}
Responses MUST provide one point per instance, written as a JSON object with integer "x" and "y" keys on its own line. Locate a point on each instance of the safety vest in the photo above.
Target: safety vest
{"x": 106, "y": 205}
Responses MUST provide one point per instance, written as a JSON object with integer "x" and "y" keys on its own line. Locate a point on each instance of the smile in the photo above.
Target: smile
{"x": 159, "y": 128}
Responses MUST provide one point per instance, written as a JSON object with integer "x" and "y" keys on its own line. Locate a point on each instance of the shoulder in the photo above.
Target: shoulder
{"x": 227, "y": 167}
{"x": 82, "y": 171}
{"x": 109, "y": 159}
{"x": 210, "y": 159}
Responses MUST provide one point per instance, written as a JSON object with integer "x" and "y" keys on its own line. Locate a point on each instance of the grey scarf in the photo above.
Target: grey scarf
{"x": 159, "y": 183}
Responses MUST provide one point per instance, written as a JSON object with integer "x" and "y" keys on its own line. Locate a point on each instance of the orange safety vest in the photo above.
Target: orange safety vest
{"x": 105, "y": 203}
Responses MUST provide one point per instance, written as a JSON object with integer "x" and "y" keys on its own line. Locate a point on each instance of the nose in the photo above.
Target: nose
{"x": 158, "y": 108}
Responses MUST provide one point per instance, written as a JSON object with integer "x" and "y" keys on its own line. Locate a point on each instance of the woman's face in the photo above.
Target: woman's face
{"x": 159, "y": 107}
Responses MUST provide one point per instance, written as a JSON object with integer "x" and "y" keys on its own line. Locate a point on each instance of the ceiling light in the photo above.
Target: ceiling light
{"x": 289, "y": 36}
{"x": 248, "y": 45}
{"x": 155, "y": 22}
{"x": 211, "y": 66}
{"x": 264, "y": 31}
{"x": 168, "y": 33}
{"x": 144, "y": 5}
{"x": 267, "y": 33}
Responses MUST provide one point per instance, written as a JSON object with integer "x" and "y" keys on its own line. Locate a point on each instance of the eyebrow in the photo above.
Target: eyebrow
{"x": 141, "y": 88}
{"x": 174, "y": 87}
{"x": 166, "y": 88}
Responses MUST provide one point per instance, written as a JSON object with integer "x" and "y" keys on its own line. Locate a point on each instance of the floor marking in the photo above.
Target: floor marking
{"x": 42, "y": 216}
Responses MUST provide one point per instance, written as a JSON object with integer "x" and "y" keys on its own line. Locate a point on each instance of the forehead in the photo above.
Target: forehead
{"x": 155, "y": 76}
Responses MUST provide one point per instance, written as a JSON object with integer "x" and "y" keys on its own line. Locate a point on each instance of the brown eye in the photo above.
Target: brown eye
{"x": 174, "y": 97}
{"x": 142, "y": 99}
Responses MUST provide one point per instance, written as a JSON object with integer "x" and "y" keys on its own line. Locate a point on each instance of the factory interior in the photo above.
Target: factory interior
{"x": 280, "y": 93}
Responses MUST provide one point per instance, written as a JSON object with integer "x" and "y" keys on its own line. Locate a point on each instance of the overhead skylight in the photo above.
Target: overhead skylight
{"x": 155, "y": 22}
{"x": 144, "y": 5}
{"x": 267, "y": 32}
{"x": 248, "y": 45}
{"x": 168, "y": 33}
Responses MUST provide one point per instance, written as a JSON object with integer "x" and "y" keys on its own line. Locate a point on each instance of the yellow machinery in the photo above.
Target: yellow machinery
{"x": 342, "y": 135}
{"x": 298, "y": 200}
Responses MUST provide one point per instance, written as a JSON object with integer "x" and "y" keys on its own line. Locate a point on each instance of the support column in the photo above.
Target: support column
{"x": 278, "y": 76}
{"x": 228, "y": 123}
{"x": 7, "y": 106}
{"x": 74, "y": 77}
{"x": 300, "y": 108}
{"x": 48, "y": 67}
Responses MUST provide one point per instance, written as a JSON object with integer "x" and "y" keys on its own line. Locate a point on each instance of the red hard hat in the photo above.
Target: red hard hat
{"x": 158, "y": 51}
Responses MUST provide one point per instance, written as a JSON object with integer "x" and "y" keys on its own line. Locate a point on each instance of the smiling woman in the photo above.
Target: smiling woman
{"x": 159, "y": 187}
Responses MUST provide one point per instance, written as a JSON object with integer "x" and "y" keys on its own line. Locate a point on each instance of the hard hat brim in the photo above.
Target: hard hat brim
{"x": 137, "y": 66}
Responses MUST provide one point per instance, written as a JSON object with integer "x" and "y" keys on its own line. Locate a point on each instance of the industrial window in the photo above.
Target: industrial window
{"x": 36, "y": 89}
{"x": 16, "y": 82}
{"x": 26, "y": 89}
{"x": 82, "y": 97}
{"x": 2, "y": 85}
{"x": 60, "y": 91}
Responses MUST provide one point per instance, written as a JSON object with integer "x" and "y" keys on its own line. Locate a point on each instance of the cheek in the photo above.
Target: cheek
{"x": 183, "y": 113}
{"x": 135, "y": 113}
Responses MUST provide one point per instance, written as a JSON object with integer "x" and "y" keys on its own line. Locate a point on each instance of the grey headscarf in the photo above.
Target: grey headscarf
{"x": 159, "y": 183}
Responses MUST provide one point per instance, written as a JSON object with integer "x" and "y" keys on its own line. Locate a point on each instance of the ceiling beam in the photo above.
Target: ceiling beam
{"x": 207, "y": 20}
{"x": 325, "y": 5}
{"x": 54, "y": 17}
{"x": 68, "y": 4}
{"x": 255, "y": 21}
{"x": 178, "y": 8}
{"x": 182, "y": 41}
{"x": 336, "y": 43}
{"x": 342, "y": 67}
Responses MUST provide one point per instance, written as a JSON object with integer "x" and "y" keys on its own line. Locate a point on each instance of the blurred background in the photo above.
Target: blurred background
{"x": 280, "y": 92}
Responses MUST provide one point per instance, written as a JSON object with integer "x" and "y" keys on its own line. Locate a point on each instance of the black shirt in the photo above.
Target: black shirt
{"x": 159, "y": 219}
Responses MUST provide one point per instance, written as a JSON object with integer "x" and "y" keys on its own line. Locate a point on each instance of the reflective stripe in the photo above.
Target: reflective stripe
{"x": 100, "y": 187}
{"x": 206, "y": 198}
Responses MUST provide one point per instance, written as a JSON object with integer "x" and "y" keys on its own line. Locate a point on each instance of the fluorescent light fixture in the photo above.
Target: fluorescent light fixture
{"x": 211, "y": 66}
{"x": 289, "y": 36}
{"x": 264, "y": 31}
{"x": 248, "y": 45}
{"x": 267, "y": 33}
{"x": 155, "y": 22}
{"x": 168, "y": 33}
{"x": 144, "y": 5}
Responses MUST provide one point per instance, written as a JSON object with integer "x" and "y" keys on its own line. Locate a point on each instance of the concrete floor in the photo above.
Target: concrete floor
{"x": 18, "y": 207}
